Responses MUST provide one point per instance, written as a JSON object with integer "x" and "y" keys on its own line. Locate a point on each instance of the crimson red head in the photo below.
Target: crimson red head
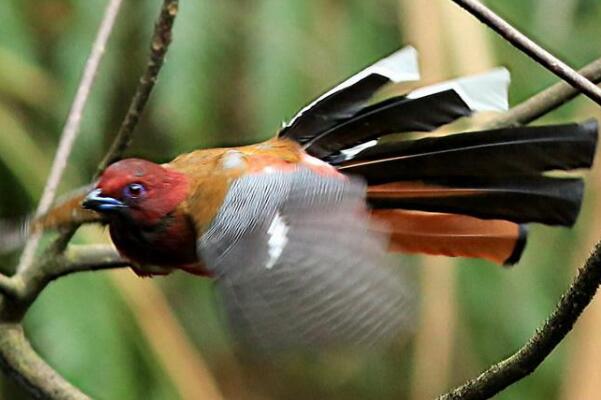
{"x": 138, "y": 189}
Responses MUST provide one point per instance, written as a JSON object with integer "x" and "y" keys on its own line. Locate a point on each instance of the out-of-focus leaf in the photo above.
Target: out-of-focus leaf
{"x": 279, "y": 52}
{"x": 23, "y": 80}
{"x": 80, "y": 327}
{"x": 187, "y": 94}
{"x": 21, "y": 154}
{"x": 15, "y": 31}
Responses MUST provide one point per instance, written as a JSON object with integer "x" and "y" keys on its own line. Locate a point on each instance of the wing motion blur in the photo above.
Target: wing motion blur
{"x": 298, "y": 264}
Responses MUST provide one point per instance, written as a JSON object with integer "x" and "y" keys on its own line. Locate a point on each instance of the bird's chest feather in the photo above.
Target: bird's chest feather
{"x": 170, "y": 243}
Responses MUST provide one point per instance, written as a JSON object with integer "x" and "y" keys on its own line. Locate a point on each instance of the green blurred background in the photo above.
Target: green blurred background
{"x": 237, "y": 68}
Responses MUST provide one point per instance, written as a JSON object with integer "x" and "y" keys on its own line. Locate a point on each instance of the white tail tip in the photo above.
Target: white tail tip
{"x": 482, "y": 92}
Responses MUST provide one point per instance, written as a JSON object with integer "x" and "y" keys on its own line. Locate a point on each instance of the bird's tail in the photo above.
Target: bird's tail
{"x": 464, "y": 194}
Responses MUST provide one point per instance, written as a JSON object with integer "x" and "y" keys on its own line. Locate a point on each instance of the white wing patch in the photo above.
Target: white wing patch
{"x": 278, "y": 231}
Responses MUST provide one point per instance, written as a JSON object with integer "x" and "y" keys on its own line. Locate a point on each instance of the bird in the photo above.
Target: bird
{"x": 296, "y": 230}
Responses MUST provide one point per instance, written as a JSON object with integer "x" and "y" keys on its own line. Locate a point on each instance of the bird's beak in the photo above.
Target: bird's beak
{"x": 95, "y": 201}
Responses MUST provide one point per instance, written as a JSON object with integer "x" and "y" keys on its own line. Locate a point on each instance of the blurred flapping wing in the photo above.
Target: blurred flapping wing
{"x": 298, "y": 265}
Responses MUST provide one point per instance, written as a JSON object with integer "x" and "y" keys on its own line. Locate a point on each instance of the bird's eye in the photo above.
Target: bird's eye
{"x": 134, "y": 190}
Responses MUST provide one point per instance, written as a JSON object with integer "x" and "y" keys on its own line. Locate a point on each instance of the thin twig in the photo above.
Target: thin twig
{"x": 20, "y": 362}
{"x": 159, "y": 45}
{"x": 17, "y": 357}
{"x": 77, "y": 258}
{"x": 533, "y": 50}
{"x": 81, "y": 258}
{"x": 545, "y": 101}
{"x": 16, "y": 354}
{"x": 71, "y": 129}
{"x": 158, "y": 49}
{"x": 546, "y": 338}
{"x": 573, "y": 302}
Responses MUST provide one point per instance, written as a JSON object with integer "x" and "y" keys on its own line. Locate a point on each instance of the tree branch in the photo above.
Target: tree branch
{"x": 580, "y": 293}
{"x": 546, "y": 338}
{"x": 17, "y": 357}
{"x": 158, "y": 49}
{"x": 529, "y": 47}
{"x": 77, "y": 258}
{"x": 80, "y": 258}
{"x": 20, "y": 361}
{"x": 71, "y": 128}
{"x": 545, "y": 101}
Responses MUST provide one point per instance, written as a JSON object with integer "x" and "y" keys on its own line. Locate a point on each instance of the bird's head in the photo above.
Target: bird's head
{"x": 138, "y": 190}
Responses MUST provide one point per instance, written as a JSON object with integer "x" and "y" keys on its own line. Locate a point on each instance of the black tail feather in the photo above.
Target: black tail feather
{"x": 400, "y": 114}
{"x": 333, "y": 109}
{"x": 351, "y": 96}
{"x": 524, "y": 151}
{"x": 496, "y": 174}
{"x": 551, "y": 201}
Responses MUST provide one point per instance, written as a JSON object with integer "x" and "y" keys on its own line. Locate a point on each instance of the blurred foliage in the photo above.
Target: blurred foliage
{"x": 238, "y": 68}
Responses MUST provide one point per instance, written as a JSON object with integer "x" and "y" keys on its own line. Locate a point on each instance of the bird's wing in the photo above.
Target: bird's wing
{"x": 298, "y": 265}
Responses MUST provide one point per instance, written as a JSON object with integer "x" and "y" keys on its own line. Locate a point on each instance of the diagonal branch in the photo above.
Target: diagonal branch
{"x": 575, "y": 299}
{"x": 158, "y": 49}
{"x": 17, "y": 357}
{"x": 546, "y": 338}
{"x": 533, "y": 50}
{"x": 21, "y": 362}
{"x": 161, "y": 39}
{"x": 545, "y": 101}
{"x": 71, "y": 129}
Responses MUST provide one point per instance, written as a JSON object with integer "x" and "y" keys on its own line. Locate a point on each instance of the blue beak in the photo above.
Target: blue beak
{"x": 95, "y": 201}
